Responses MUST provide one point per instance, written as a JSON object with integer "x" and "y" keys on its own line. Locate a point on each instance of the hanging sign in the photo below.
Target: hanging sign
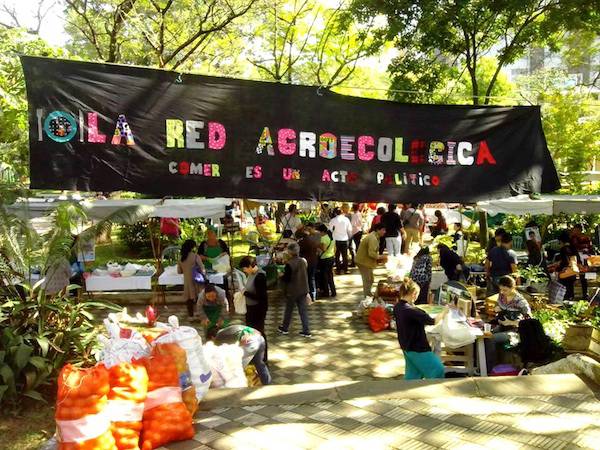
{"x": 103, "y": 127}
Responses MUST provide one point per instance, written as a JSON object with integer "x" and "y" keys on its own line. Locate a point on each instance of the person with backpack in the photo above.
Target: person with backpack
{"x": 500, "y": 263}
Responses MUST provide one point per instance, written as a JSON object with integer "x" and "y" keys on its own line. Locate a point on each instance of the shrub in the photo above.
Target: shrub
{"x": 39, "y": 335}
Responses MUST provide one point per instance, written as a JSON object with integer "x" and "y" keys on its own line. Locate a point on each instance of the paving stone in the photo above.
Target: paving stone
{"x": 462, "y": 420}
{"x": 186, "y": 445}
{"x": 426, "y": 422}
{"x": 346, "y": 423}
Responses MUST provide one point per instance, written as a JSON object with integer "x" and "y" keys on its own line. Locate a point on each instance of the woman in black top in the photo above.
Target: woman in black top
{"x": 450, "y": 262}
{"x": 420, "y": 361}
{"x": 257, "y": 301}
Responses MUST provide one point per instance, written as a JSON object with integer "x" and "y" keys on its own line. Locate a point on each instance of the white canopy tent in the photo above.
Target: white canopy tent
{"x": 547, "y": 204}
{"x": 100, "y": 209}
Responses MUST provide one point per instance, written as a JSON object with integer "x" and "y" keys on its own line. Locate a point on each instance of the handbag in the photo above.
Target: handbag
{"x": 197, "y": 275}
{"x": 239, "y": 303}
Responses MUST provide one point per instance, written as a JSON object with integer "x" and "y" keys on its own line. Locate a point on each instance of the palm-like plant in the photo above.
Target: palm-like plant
{"x": 42, "y": 332}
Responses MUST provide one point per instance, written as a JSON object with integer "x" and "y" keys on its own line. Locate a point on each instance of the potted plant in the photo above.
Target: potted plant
{"x": 582, "y": 334}
{"x": 535, "y": 277}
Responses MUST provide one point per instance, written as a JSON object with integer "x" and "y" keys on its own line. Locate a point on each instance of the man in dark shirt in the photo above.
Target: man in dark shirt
{"x": 393, "y": 224}
{"x": 420, "y": 361}
{"x": 500, "y": 262}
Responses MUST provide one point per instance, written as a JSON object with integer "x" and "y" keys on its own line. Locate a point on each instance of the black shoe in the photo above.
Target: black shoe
{"x": 306, "y": 335}
{"x": 282, "y": 331}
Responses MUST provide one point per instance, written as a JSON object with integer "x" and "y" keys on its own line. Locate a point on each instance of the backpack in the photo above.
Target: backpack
{"x": 535, "y": 346}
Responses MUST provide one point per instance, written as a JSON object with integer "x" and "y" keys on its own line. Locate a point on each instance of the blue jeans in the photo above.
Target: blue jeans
{"x": 259, "y": 347}
{"x": 312, "y": 280}
{"x": 289, "y": 308}
{"x": 393, "y": 245}
{"x": 419, "y": 365}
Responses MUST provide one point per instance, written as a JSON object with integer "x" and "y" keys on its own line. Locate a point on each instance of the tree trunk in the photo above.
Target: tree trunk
{"x": 483, "y": 229}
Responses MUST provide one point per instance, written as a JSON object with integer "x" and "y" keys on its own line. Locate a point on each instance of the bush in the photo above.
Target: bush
{"x": 39, "y": 335}
{"x": 136, "y": 237}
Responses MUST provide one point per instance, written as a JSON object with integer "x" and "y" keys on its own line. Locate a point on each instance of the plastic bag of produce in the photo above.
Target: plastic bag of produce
{"x": 226, "y": 365}
{"x": 82, "y": 421}
{"x": 189, "y": 340}
{"x": 122, "y": 345}
{"x": 188, "y": 393}
{"x": 166, "y": 418}
{"x": 128, "y": 391}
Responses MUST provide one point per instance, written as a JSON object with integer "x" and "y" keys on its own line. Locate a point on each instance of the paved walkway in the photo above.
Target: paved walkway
{"x": 547, "y": 412}
{"x": 350, "y": 409}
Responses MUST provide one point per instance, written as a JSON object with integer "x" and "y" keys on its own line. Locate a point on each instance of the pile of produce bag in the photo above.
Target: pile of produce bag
{"x": 82, "y": 421}
{"x": 189, "y": 340}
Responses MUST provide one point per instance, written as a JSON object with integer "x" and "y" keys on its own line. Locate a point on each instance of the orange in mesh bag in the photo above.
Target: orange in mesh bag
{"x": 82, "y": 422}
{"x": 128, "y": 390}
{"x": 166, "y": 418}
{"x": 188, "y": 392}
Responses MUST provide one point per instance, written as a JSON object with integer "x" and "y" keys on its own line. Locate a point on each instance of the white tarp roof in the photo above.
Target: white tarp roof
{"x": 548, "y": 204}
{"x": 99, "y": 209}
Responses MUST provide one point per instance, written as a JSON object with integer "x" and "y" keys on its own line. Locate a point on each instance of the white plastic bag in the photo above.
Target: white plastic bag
{"x": 117, "y": 349}
{"x": 456, "y": 333}
{"x": 239, "y": 303}
{"x": 226, "y": 364}
{"x": 189, "y": 340}
{"x": 222, "y": 264}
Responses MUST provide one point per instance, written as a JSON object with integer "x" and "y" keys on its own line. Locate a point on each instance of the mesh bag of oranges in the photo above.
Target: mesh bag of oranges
{"x": 82, "y": 420}
{"x": 126, "y": 398}
{"x": 166, "y": 418}
{"x": 188, "y": 392}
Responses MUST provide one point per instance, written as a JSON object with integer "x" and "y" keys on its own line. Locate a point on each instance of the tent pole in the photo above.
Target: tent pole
{"x": 483, "y": 228}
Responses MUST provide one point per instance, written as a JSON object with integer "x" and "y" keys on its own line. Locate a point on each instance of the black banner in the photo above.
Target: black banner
{"x": 103, "y": 127}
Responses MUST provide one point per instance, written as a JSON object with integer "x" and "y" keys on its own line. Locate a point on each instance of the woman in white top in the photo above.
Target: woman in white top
{"x": 342, "y": 233}
{"x": 291, "y": 223}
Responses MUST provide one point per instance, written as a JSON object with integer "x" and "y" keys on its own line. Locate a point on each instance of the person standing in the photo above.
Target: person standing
{"x": 421, "y": 274}
{"x": 326, "y": 261}
{"x": 375, "y": 221}
{"x": 393, "y": 225}
{"x": 325, "y": 215}
{"x": 309, "y": 248}
{"x": 568, "y": 266}
{"x": 582, "y": 244}
{"x": 420, "y": 361}
{"x": 190, "y": 264}
{"x": 212, "y": 248}
{"x": 440, "y": 227}
{"x": 342, "y": 232}
{"x": 295, "y": 282}
{"x": 357, "y": 222}
{"x": 256, "y": 294}
{"x": 291, "y": 222}
{"x": 367, "y": 257}
{"x": 412, "y": 226}
{"x": 500, "y": 262}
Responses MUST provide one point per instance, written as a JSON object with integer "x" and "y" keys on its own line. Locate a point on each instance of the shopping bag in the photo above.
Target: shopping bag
{"x": 239, "y": 303}
{"x": 456, "y": 333}
{"x": 379, "y": 319}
